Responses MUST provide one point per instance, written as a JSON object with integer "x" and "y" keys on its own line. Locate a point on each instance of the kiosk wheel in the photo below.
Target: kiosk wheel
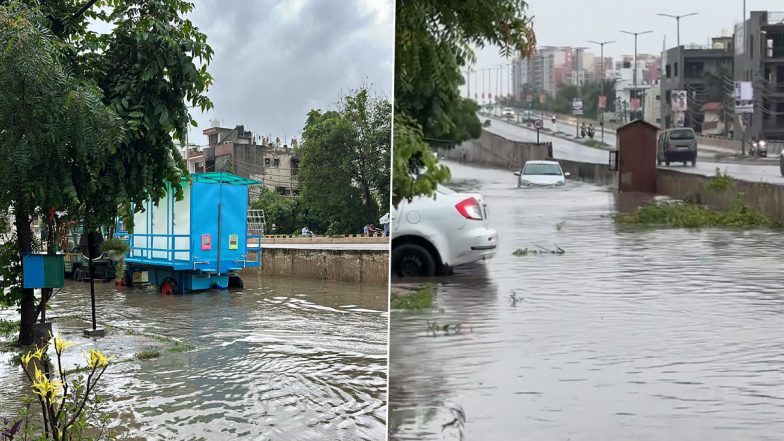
{"x": 169, "y": 288}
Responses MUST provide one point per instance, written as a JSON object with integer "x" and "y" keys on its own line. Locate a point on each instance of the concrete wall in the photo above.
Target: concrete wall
{"x": 496, "y": 151}
{"x": 358, "y": 238}
{"x": 598, "y": 174}
{"x": 368, "y": 266}
{"x": 768, "y": 198}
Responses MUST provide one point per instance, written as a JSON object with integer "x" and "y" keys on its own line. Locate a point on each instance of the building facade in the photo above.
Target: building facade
{"x": 759, "y": 58}
{"x": 703, "y": 73}
{"x": 241, "y": 152}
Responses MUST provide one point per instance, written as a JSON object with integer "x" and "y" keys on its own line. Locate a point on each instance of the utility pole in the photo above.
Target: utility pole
{"x": 634, "y": 74}
{"x": 602, "y": 79}
{"x": 678, "y": 22}
{"x": 745, "y": 49}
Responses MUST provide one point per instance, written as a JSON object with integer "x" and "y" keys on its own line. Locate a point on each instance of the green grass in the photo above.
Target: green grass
{"x": 720, "y": 182}
{"x": 595, "y": 143}
{"x": 147, "y": 355}
{"x": 686, "y": 215}
{"x": 8, "y": 326}
{"x": 419, "y": 300}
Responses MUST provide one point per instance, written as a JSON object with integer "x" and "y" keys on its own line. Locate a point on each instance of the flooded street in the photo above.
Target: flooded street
{"x": 281, "y": 360}
{"x": 633, "y": 334}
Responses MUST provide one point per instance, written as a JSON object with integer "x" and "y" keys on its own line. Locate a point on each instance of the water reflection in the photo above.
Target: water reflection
{"x": 281, "y": 360}
{"x": 632, "y": 334}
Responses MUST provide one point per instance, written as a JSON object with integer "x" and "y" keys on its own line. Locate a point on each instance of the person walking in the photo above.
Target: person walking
{"x": 384, "y": 221}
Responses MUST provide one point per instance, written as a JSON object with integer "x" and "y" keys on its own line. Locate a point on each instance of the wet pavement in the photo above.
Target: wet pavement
{"x": 575, "y": 151}
{"x": 280, "y": 360}
{"x": 642, "y": 334}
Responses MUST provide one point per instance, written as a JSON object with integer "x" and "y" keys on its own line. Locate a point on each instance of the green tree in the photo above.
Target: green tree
{"x": 288, "y": 213}
{"x": 97, "y": 150}
{"x": 434, "y": 41}
{"x": 344, "y": 166}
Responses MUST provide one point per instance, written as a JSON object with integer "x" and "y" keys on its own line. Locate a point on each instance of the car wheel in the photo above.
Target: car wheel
{"x": 694, "y": 162}
{"x": 412, "y": 260}
{"x": 658, "y": 162}
{"x": 667, "y": 163}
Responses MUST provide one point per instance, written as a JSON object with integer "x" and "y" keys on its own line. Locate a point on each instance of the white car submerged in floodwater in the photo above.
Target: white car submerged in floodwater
{"x": 541, "y": 174}
{"x": 432, "y": 235}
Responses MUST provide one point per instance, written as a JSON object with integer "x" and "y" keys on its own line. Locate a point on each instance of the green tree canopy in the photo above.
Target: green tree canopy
{"x": 434, "y": 39}
{"x": 344, "y": 166}
{"x": 90, "y": 120}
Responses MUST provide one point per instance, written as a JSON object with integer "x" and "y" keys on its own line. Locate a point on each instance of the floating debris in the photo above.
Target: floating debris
{"x": 434, "y": 327}
{"x": 542, "y": 250}
{"x": 515, "y": 298}
{"x": 458, "y": 420}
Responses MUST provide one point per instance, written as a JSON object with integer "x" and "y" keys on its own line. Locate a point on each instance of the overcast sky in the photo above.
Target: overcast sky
{"x": 275, "y": 60}
{"x": 574, "y": 22}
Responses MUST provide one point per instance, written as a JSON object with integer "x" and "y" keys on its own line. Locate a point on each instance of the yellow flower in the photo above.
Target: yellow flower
{"x": 26, "y": 358}
{"x": 96, "y": 359}
{"x": 61, "y": 345}
{"x": 45, "y": 387}
{"x": 39, "y": 353}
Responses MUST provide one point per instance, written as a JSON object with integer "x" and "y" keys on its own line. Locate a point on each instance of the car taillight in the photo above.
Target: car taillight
{"x": 469, "y": 209}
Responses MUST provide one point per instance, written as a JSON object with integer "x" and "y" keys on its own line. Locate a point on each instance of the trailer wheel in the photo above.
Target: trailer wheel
{"x": 128, "y": 278}
{"x": 236, "y": 282}
{"x": 169, "y": 288}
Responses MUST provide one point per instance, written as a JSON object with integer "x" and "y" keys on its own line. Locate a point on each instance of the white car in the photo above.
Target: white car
{"x": 432, "y": 235}
{"x": 508, "y": 113}
{"x": 541, "y": 173}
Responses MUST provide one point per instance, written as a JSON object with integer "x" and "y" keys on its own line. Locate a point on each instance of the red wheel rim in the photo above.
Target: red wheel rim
{"x": 166, "y": 289}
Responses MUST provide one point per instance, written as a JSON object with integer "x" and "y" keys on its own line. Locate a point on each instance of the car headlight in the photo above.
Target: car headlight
{"x": 525, "y": 182}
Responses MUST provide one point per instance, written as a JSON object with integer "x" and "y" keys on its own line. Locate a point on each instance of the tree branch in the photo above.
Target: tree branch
{"x": 83, "y": 9}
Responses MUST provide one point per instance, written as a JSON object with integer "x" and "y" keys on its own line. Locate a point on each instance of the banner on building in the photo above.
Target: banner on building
{"x": 602, "y": 102}
{"x": 541, "y": 98}
{"x": 679, "y": 119}
{"x": 744, "y": 97}
{"x": 635, "y": 104}
{"x": 577, "y": 106}
{"x": 679, "y": 101}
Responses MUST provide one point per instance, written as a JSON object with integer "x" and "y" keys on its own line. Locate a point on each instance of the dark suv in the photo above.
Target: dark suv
{"x": 677, "y": 145}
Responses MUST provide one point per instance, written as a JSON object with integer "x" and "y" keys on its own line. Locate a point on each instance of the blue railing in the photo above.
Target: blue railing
{"x": 147, "y": 252}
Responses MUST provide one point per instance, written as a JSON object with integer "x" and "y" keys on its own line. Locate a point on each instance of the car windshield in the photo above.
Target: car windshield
{"x": 542, "y": 169}
{"x": 681, "y": 134}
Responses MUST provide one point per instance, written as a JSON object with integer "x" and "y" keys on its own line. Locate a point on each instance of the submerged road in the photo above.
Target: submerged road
{"x": 563, "y": 149}
{"x": 633, "y": 334}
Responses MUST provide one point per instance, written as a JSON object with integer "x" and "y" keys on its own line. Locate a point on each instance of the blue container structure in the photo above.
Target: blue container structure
{"x": 198, "y": 243}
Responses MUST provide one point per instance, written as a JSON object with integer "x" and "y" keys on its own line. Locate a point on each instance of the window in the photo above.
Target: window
{"x": 751, "y": 46}
{"x": 213, "y": 139}
{"x": 675, "y": 69}
{"x": 199, "y": 167}
{"x": 667, "y": 69}
{"x": 266, "y": 162}
{"x": 668, "y": 96}
{"x": 276, "y": 162}
{"x": 658, "y": 97}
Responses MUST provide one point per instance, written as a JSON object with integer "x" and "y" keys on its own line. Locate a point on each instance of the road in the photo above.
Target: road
{"x": 633, "y": 333}
{"x": 575, "y": 151}
{"x": 328, "y": 246}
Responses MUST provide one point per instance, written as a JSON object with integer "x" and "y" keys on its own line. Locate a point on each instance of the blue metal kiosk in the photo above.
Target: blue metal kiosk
{"x": 198, "y": 243}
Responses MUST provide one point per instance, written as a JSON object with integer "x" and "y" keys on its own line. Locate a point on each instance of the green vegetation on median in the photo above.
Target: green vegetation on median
{"x": 413, "y": 300}
{"x": 688, "y": 215}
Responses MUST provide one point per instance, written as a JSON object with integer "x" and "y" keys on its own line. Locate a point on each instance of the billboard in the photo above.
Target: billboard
{"x": 577, "y": 106}
{"x": 635, "y": 104}
{"x": 739, "y": 36}
{"x": 744, "y": 97}
{"x": 602, "y": 102}
{"x": 679, "y": 101}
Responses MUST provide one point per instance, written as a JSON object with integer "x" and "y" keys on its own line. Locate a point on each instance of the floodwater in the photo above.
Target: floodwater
{"x": 280, "y": 360}
{"x": 632, "y": 334}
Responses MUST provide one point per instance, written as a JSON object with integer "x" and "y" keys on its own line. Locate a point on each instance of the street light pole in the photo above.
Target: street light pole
{"x": 601, "y": 45}
{"x": 678, "y": 22}
{"x": 634, "y": 74}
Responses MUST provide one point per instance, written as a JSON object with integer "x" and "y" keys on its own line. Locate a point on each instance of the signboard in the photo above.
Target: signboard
{"x": 206, "y": 242}
{"x": 679, "y": 101}
{"x": 577, "y": 106}
{"x": 538, "y": 124}
{"x": 635, "y": 104}
{"x": 541, "y": 98}
{"x": 744, "y": 97}
{"x": 529, "y": 98}
{"x": 679, "y": 119}
{"x": 602, "y": 102}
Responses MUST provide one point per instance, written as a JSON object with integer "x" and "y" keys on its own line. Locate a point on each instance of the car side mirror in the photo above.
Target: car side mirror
{"x": 517, "y": 173}
{"x": 567, "y": 174}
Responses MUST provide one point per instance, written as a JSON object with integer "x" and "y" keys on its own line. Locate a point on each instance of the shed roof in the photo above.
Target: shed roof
{"x": 222, "y": 178}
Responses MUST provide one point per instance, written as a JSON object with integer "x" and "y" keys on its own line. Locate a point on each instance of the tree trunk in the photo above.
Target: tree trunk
{"x": 24, "y": 237}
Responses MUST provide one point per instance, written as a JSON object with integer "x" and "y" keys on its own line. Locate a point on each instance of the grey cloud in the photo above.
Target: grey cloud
{"x": 270, "y": 71}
